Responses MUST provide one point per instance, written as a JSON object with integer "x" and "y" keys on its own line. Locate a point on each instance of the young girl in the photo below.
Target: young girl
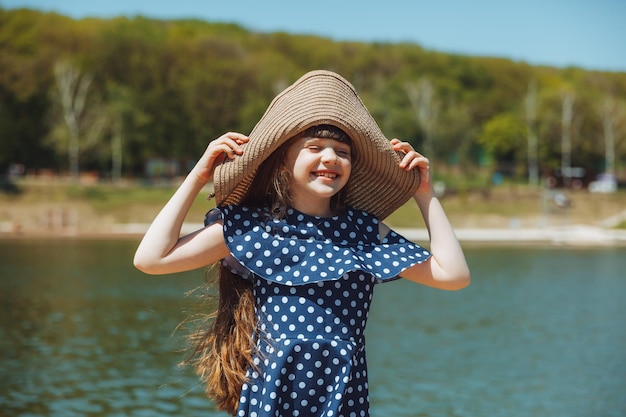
{"x": 301, "y": 246}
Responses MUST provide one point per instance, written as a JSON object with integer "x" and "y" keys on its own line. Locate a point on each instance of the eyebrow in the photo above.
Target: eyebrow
{"x": 339, "y": 142}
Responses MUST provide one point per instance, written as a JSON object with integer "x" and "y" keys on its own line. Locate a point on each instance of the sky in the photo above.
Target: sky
{"x": 590, "y": 34}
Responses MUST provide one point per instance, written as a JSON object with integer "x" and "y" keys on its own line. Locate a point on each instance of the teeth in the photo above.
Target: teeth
{"x": 327, "y": 175}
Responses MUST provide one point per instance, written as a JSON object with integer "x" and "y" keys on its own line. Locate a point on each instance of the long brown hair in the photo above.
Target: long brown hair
{"x": 223, "y": 353}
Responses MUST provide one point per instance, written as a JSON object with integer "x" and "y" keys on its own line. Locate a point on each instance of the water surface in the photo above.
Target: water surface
{"x": 540, "y": 332}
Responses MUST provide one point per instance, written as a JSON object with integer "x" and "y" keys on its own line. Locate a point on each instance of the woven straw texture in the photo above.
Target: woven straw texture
{"x": 376, "y": 185}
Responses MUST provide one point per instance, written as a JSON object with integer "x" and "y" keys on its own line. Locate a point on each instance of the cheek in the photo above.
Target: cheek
{"x": 348, "y": 166}
{"x": 347, "y": 172}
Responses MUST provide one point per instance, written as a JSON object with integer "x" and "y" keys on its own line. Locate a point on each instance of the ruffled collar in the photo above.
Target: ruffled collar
{"x": 299, "y": 248}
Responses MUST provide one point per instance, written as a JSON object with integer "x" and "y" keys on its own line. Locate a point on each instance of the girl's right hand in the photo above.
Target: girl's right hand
{"x": 226, "y": 146}
{"x": 414, "y": 160}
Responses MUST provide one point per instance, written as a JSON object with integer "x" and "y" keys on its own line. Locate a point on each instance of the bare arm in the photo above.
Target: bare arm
{"x": 162, "y": 250}
{"x": 447, "y": 268}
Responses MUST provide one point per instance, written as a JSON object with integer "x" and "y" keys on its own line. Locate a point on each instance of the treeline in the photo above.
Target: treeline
{"x": 111, "y": 95}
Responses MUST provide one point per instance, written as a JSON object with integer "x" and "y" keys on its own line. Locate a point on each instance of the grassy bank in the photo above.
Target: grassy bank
{"x": 91, "y": 207}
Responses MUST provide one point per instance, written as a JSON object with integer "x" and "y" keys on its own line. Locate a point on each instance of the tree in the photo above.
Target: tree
{"x": 84, "y": 121}
{"x": 531, "y": 115}
{"x": 119, "y": 106}
{"x": 567, "y": 116}
{"x": 502, "y": 138}
{"x": 422, "y": 97}
{"x": 611, "y": 113}
{"x": 182, "y": 82}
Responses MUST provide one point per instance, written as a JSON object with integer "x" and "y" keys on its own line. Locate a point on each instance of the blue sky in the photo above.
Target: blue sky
{"x": 585, "y": 33}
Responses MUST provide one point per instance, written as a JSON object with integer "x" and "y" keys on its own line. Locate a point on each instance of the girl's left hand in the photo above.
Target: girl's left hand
{"x": 413, "y": 159}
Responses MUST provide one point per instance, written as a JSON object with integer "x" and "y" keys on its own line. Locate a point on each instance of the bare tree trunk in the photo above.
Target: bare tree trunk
{"x": 72, "y": 90}
{"x": 116, "y": 151}
{"x": 566, "y": 137}
{"x": 531, "y": 104}
{"x": 422, "y": 100}
{"x": 609, "y": 136}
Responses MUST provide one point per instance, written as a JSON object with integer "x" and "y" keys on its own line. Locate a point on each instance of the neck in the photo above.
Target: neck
{"x": 319, "y": 209}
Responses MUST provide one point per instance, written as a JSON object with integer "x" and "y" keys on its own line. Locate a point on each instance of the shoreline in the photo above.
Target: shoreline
{"x": 570, "y": 235}
{"x": 573, "y": 236}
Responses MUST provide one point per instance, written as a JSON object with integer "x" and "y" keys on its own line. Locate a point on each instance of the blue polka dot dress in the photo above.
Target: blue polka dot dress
{"x": 313, "y": 281}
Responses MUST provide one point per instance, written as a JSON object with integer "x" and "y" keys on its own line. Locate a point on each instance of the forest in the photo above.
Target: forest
{"x": 126, "y": 98}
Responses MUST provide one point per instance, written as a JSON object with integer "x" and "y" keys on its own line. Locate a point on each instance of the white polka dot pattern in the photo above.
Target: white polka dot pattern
{"x": 311, "y": 359}
{"x": 301, "y": 249}
{"x": 313, "y": 285}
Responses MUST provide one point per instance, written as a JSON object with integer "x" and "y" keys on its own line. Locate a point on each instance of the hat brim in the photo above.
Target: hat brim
{"x": 377, "y": 184}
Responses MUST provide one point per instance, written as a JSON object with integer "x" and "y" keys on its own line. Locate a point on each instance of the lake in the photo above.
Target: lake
{"x": 540, "y": 332}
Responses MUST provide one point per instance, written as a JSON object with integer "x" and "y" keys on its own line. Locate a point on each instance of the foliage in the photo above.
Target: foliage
{"x": 503, "y": 137}
{"x": 166, "y": 88}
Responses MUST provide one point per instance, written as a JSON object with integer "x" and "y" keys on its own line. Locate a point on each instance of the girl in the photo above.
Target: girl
{"x": 297, "y": 231}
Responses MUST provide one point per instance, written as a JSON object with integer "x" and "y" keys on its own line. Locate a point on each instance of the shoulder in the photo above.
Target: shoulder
{"x": 237, "y": 212}
{"x": 369, "y": 220}
{"x": 360, "y": 216}
{"x": 383, "y": 230}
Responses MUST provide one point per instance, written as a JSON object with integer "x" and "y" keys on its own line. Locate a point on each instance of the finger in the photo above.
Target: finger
{"x": 230, "y": 143}
{"x": 405, "y": 147}
{"x": 422, "y": 163}
{"x": 406, "y": 161}
{"x": 238, "y": 138}
{"x": 419, "y": 163}
{"x": 221, "y": 148}
{"x": 398, "y": 145}
{"x": 415, "y": 160}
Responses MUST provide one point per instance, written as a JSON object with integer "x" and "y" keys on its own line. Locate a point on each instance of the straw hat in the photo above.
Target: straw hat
{"x": 377, "y": 184}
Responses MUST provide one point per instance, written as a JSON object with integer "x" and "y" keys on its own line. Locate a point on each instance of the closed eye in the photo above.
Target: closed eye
{"x": 316, "y": 145}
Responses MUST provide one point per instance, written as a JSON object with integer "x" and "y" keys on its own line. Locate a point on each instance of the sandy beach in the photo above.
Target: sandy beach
{"x": 511, "y": 215}
{"x": 576, "y": 235}
{"x": 569, "y": 235}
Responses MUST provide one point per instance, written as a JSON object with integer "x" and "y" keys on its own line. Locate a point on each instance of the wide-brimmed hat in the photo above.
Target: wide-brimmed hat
{"x": 377, "y": 184}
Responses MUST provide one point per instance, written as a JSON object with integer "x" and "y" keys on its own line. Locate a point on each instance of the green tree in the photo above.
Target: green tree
{"x": 504, "y": 138}
{"x": 169, "y": 87}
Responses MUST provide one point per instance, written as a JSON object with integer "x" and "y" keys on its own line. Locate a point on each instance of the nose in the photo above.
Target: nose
{"x": 329, "y": 156}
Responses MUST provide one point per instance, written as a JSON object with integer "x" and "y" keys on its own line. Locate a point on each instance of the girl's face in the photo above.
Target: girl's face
{"x": 320, "y": 168}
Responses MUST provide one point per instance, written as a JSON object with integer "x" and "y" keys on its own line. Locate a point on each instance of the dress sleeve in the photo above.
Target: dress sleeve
{"x": 401, "y": 254}
{"x": 229, "y": 262}
{"x": 212, "y": 216}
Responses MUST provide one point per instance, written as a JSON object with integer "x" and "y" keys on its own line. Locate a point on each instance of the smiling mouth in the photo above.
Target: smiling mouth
{"x": 330, "y": 175}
